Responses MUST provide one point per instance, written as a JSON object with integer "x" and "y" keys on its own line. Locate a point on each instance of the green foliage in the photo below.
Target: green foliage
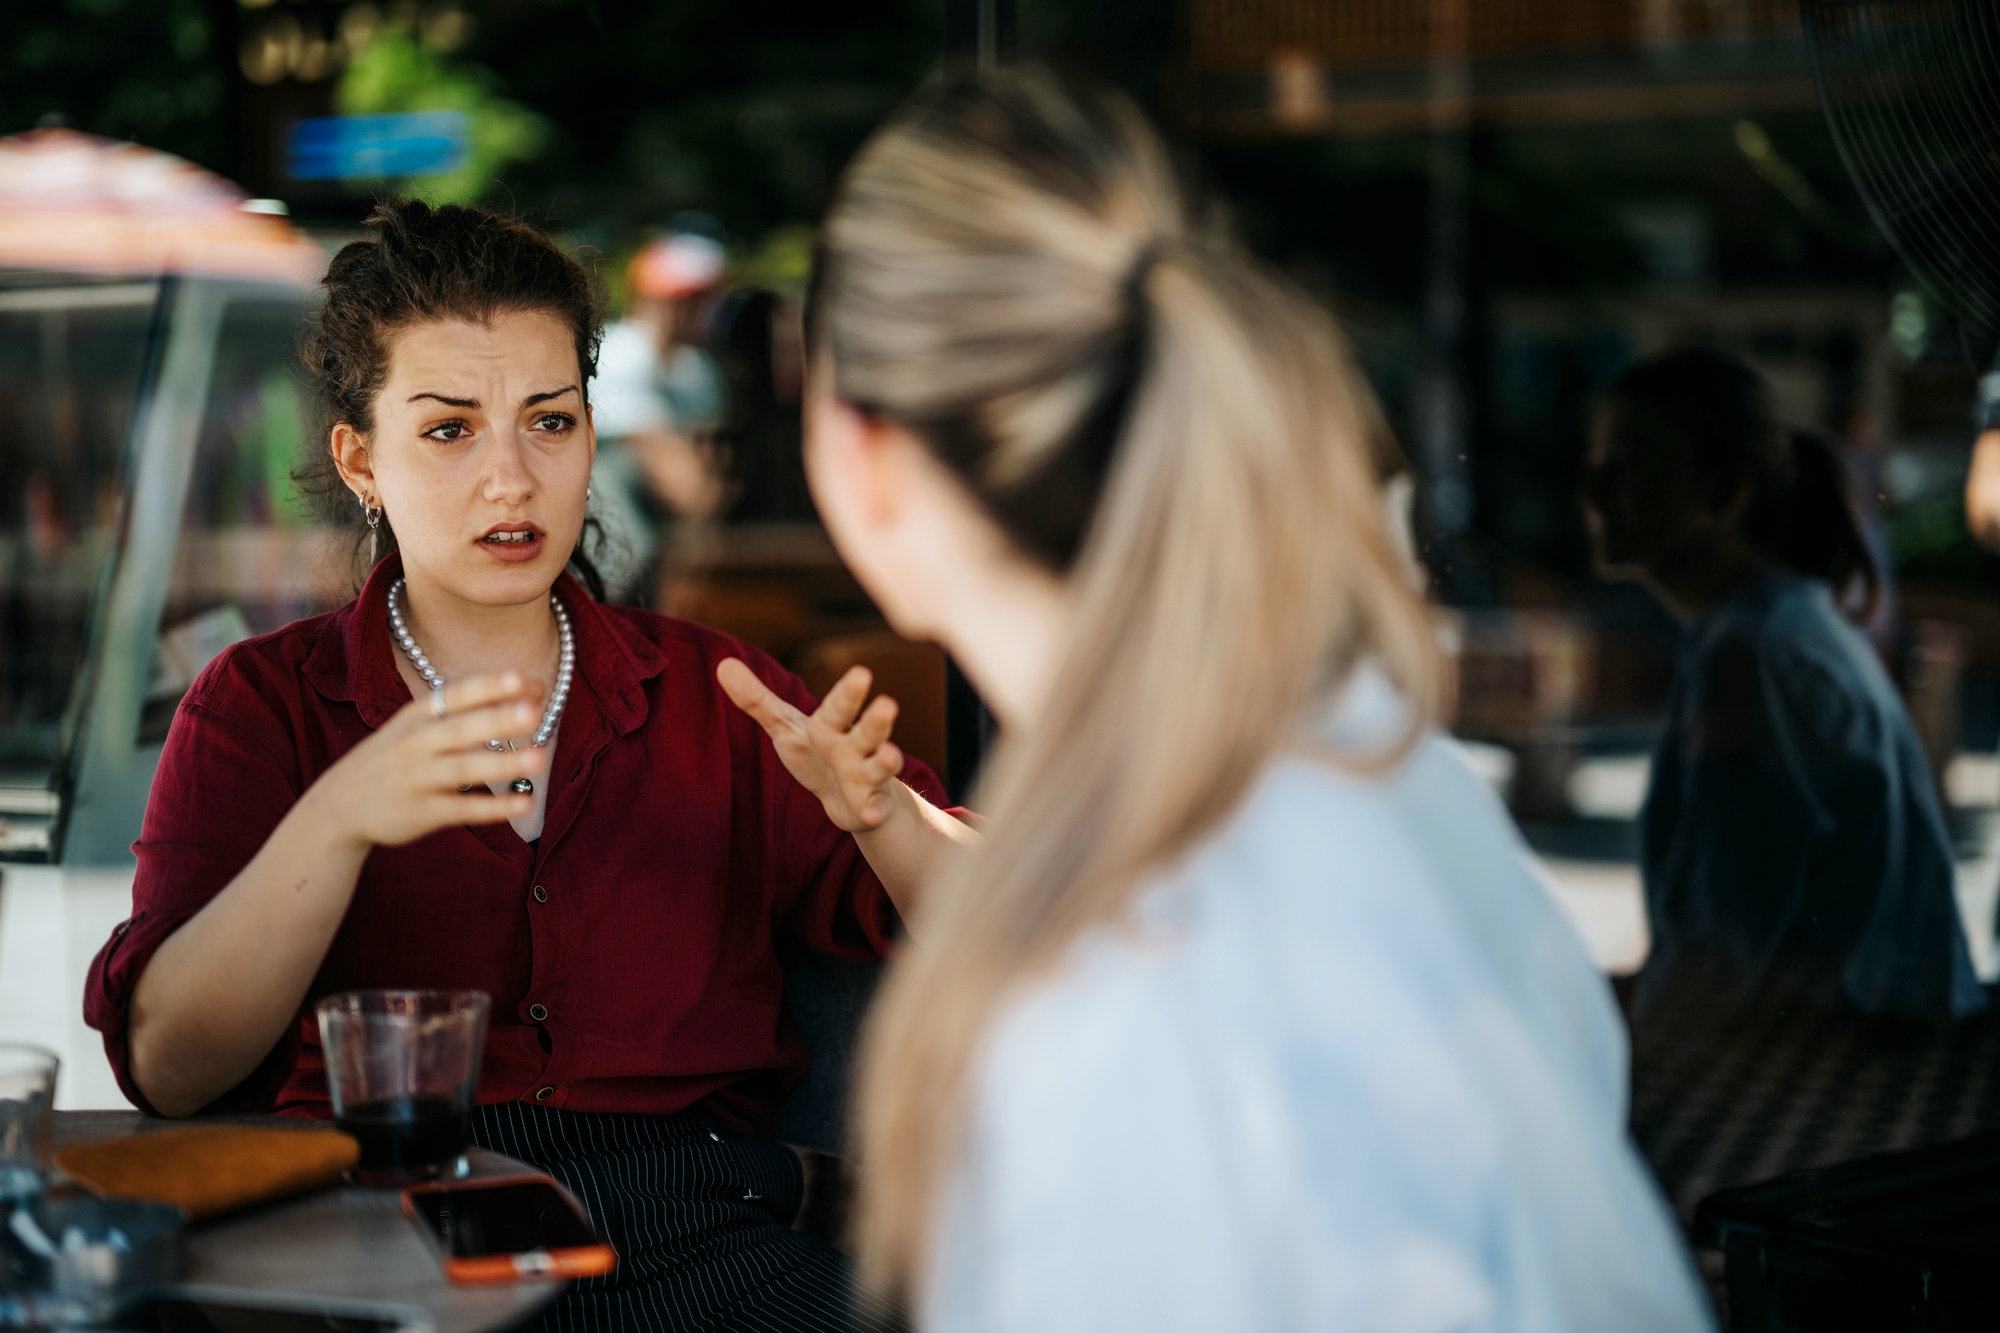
{"x": 126, "y": 69}
{"x": 782, "y": 263}
{"x": 395, "y": 73}
{"x": 1928, "y": 538}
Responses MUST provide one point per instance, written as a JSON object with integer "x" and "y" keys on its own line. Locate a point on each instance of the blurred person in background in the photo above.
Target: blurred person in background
{"x": 478, "y": 776}
{"x": 1982, "y": 482}
{"x": 755, "y": 333}
{"x": 1792, "y": 843}
{"x": 658, "y": 396}
{"x": 1249, "y": 1012}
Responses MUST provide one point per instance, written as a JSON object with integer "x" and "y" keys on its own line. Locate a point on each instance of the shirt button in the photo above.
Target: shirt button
{"x": 541, "y": 894}
{"x": 543, "y": 1094}
{"x": 538, "y": 1012}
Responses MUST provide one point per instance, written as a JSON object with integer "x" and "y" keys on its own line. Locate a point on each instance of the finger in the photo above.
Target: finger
{"x": 865, "y": 774}
{"x": 476, "y": 768}
{"x": 467, "y": 697}
{"x": 476, "y": 692}
{"x": 837, "y": 710}
{"x": 463, "y": 731}
{"x": 442, "y": 811}
{"x": 756, "y": 698}
{"x": 480, "y": 808}
{"x": 888, "y": 759}
{"x": 875, "y": 724}
{"x": 873, "y": 771}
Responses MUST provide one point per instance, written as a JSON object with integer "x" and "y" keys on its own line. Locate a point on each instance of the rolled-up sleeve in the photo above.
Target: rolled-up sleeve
{"x": 217, "y": 795}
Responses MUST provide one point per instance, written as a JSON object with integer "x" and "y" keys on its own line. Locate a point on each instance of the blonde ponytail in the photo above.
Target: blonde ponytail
{"x": 1013, "y": 269}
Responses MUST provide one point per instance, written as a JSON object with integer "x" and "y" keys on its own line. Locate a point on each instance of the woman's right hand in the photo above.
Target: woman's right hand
{"x": 404, "y": 781}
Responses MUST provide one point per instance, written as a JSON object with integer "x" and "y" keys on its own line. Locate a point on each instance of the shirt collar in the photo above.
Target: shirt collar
{"x": 354, "y": 661}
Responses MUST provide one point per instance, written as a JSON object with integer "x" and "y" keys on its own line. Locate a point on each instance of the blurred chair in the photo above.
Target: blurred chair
{"x": 910, "y": 673}
{"x": 828, "y": 997}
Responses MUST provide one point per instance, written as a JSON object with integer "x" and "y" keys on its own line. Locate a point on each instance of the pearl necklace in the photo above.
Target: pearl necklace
{"x": 565, "y": 667}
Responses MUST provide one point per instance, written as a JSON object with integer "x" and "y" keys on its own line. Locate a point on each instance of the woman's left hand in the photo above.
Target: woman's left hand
{"x": 847, "y": 761}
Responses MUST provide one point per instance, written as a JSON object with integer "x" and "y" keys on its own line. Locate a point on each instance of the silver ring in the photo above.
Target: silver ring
{"x": 437, "y": 701}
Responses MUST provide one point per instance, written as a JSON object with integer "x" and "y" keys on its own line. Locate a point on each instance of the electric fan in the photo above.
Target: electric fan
{"x": 1912, "y": 91}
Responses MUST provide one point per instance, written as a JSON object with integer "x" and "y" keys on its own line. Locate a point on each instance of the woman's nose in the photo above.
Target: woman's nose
{"x": 507, "y": 476}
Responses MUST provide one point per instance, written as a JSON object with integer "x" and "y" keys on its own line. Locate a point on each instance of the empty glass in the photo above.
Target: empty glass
{"x": 27, "y": 1118}
{"x": 403, "y": 1067}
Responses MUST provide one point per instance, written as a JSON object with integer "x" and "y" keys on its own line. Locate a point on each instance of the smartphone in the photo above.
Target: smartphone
{"x": 508, "y": 1228}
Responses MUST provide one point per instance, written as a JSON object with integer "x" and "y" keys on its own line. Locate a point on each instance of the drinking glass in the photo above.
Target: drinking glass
{"x": 403, "y": 1066}
{"x": 27, "y": 1118}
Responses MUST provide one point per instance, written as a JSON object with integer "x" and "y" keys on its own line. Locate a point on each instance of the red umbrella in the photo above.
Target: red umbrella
{"x": 76, "y": 202}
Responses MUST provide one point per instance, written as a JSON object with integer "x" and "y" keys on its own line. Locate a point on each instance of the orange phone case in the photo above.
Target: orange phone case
{"x": 487, "y": 1269}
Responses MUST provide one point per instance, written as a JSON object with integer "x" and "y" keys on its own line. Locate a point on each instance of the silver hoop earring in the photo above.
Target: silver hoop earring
{"x": 374, "y": 516}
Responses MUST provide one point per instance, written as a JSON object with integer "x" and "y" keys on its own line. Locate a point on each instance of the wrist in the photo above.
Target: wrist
{"x": 897, "y": 798}
{"x": 322, "y": 822}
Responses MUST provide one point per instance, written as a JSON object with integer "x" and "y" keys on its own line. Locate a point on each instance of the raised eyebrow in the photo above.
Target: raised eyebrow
{"x": 534, "y": 398}
{"x": 469, "y": 403}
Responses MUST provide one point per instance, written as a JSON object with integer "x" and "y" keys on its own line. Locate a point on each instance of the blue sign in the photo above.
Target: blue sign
{"x": 416, "y": 143}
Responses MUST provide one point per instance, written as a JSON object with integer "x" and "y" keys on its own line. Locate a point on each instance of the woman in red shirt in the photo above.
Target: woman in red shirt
{"x": 476, "y": 776}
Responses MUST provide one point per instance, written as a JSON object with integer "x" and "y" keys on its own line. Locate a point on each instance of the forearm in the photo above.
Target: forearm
{"x": 223, "y": 988}
{"x": 909, "y": 849}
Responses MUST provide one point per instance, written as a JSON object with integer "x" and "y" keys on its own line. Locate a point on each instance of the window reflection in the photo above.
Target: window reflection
{"x": 250, "y": 556}
{"x": 70, "y": 364}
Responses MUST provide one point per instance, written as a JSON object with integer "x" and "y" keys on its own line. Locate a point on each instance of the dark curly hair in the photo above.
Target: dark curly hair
{"x": 422, "y": 264}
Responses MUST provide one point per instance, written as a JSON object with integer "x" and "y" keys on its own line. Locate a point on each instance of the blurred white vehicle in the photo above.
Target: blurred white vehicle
{"x": 150, "y": 413}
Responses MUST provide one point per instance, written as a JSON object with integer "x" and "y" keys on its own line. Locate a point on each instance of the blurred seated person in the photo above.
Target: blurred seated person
{"x": 1251, "y": 1013}
{"x": 756, "y": 337}
{"x": 657, "y": 395}
{"x": 1792, "y": 844}
{"x": 477, "y": 776}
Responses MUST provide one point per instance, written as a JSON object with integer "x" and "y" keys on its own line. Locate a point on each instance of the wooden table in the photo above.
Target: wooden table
{"x": 345, "y": 1251}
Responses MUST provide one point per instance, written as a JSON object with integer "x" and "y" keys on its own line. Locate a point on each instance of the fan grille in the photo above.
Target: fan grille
{"x": 1909, "y": 88}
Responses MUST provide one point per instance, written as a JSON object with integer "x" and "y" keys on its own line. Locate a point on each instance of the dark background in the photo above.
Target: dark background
{"x": 1592, "y": 234}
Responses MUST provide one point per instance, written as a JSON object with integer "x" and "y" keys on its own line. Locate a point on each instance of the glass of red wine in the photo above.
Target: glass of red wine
{"x": 403, "y": 1066}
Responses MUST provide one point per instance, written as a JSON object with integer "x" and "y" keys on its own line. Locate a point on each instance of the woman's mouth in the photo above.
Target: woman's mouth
{"x": 513, "y": 545}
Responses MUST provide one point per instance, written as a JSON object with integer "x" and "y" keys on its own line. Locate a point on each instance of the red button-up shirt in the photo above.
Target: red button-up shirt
{"x": 679, "y": 867}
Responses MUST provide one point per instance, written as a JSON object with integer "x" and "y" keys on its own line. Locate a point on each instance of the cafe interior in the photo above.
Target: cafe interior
{"x": 1506, "y": 204}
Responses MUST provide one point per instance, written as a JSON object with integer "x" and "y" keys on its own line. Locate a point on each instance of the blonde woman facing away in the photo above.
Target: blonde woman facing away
{"x": 1250, "y": 1012}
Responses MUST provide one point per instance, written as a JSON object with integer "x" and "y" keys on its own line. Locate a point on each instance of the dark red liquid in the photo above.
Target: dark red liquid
{"x": 406, "y": 1139}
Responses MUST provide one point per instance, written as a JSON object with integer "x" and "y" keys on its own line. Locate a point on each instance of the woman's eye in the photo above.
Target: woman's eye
{"x": 554, "y": 421}
{"x": 449, "y": 430}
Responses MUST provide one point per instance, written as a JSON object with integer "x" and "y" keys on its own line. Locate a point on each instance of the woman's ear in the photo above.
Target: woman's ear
{"x": 350, "y": 456}
{"x": 852, "y": 459}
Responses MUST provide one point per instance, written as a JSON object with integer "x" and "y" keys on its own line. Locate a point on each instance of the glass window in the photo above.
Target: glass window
{"x": 70, "y": 364}
{"x": 250, "y": 557}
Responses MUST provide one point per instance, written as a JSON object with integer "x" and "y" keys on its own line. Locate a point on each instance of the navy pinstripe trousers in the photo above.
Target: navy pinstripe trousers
{"x": 700, "y": 1218}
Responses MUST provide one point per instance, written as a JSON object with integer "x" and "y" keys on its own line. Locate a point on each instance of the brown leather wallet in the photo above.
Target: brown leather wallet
{"x": 210, "y": 1169}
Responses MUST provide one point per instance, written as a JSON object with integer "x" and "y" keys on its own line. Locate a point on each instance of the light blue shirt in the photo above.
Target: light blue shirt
{"x": 1348, "y": 1067}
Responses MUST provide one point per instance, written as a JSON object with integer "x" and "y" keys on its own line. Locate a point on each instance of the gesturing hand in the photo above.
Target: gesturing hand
{"x": 403, "y": 781}
{"x": 848, "y": 762}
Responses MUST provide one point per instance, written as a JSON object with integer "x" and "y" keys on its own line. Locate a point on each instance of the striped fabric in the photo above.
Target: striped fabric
{"x": 700, "y": 1218}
